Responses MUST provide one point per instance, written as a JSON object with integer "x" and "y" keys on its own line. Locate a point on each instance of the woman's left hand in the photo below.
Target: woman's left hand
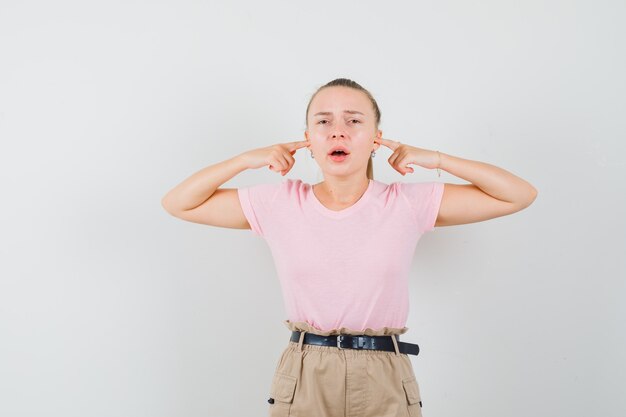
{"x": 403, "y": 155}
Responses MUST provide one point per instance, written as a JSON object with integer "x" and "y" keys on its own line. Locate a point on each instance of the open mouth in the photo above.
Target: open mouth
{"x": 338, "y": 156}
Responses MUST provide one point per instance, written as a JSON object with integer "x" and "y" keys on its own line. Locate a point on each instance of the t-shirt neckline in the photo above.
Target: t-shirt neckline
{"x": 343, "y": 212}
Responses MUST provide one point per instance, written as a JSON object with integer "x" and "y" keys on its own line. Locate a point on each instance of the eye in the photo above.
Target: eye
{"x": 320, "y": 122}
{"x": 355, "y": 120}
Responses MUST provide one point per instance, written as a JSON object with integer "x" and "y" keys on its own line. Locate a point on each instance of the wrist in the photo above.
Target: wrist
{"x": 439, "y": 163}
{"x": 240, "y": 162}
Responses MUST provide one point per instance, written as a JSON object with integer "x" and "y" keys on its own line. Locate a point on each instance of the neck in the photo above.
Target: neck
{"x": 343, "y": 191}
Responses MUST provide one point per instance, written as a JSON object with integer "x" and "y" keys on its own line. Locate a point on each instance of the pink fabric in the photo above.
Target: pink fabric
{"x": 347, "y": 268}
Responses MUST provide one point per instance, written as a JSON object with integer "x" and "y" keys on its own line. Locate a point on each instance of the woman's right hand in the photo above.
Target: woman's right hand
{"x": 279, "y": 157}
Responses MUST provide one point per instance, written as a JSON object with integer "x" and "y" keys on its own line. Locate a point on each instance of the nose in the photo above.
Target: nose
{"x": 337, "y": 131}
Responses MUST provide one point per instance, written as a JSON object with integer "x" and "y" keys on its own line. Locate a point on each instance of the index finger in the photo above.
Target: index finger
{"x": 391, "y": 144}
{"x": 298, "y": 144}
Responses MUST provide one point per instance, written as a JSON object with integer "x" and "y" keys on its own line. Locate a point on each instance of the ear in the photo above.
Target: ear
{"x": 379, "y": 136}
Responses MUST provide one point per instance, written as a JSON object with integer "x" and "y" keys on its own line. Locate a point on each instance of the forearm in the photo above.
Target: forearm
{"x": 491, "y": 179}
{"x": 196, "y": 189}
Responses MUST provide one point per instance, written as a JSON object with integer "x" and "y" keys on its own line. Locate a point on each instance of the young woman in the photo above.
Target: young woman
{"x": 343, "y": 249}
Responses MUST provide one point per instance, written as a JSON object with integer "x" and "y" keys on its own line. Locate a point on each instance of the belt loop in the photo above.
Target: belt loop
{"x": 395, "y": 344}
{"x": 301, "y": 341}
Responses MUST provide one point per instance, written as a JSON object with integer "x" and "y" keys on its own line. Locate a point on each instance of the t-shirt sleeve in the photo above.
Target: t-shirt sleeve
{"x": 425, "y": 200}
{"x": 256, "y": 202}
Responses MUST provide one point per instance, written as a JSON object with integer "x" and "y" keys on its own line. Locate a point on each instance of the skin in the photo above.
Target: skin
{"x": 492, "y": 191}
{"x": 344, "y": 183}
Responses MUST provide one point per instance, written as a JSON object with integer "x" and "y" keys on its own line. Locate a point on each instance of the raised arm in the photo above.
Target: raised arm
{"x": 493, "y": 192}
{"x": 199, "y": 199}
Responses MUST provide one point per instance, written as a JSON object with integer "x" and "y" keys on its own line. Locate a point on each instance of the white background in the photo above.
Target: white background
{"x": 109, "y": 306}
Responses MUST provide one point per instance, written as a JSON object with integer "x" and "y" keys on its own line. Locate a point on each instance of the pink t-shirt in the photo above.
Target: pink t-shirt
{"x": 347, "y": 268}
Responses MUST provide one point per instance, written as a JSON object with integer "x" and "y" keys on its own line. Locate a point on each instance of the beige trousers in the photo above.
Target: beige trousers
{"x": 325, "y": 381}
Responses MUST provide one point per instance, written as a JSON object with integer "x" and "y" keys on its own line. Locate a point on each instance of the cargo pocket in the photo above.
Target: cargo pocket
{"x": 281, "y": 394}
{"x": 413, "y": 398}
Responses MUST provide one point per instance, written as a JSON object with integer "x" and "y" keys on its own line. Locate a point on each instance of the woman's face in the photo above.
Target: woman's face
{"x": 342, "y": 116}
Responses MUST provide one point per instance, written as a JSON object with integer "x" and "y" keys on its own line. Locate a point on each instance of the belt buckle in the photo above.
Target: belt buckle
{"x": 339, "y": 340}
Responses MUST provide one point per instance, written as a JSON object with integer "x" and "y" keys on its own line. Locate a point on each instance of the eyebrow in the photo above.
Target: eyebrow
{"x": 327, "y": 113}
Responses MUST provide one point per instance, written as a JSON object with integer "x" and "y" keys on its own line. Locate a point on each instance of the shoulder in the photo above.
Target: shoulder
{"x": 265, "y": 192}
{"x": 287, "y": 188}
{"x": 419, "y": 188}
{"x": 419, "y": 193}
{"x": 389, "y": 189}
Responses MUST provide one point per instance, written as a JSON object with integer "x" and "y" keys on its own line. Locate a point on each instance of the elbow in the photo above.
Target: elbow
{"x": 530, "y": 198}
{"x": 165, "y": 203}
{"x": 533, "y": 195}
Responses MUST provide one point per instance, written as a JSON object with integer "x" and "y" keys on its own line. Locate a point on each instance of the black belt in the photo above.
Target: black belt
{"x": 346, "y": 341}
